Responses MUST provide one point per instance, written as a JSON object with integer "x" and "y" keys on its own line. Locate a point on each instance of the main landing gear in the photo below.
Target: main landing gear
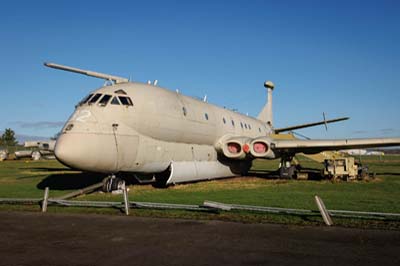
{"x": 112, "y": 183}
{"x": 286, "y": 169}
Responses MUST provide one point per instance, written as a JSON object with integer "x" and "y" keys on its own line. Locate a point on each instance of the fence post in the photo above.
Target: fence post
{"x": 126, "y": 201}
{"x": 324, "y": 212}
{"x": 45, "y": 199}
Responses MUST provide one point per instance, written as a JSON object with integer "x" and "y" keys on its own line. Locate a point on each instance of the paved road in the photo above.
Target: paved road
{"x": 71, "y": 239}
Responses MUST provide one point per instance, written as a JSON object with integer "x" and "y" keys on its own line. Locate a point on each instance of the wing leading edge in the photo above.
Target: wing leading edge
{"x": 315, "y": 146}
{"x": 274, "y": 146}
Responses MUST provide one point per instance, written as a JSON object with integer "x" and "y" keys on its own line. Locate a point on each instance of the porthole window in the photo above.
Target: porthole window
{"x": 184, "y": 111}
{"x": 223, "y": 120}
{"x": 206, "y": 116}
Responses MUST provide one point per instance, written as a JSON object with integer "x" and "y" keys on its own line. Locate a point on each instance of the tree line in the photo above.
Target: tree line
{"x": 8, "y": 138}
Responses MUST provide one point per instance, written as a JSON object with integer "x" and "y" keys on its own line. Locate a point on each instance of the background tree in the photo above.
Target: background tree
{"x": 8, "y": 138}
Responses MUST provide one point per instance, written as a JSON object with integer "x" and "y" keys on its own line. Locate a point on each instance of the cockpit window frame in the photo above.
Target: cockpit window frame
{"x": 128, "y": 100}
{"x": 86, "y": 99}
{"x": 95, "y": 98}
{"x": 103, "y": 102}
{"x": 117, "y": 102}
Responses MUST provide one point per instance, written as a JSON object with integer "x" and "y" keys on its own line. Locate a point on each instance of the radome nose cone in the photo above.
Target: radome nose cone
{"x": 67, "y": 153}
{"x": 87, "y": 152}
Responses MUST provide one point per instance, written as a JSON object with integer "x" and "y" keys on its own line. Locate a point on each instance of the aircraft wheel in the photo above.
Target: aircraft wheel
{"x": 112, "y": 183}
{"x": 287, "y": 172}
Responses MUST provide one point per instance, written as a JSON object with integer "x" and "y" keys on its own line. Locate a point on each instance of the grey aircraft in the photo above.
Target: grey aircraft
{"x": 140, "y": 128}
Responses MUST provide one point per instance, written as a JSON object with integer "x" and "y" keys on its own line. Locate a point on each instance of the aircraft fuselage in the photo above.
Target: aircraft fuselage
{"x": 160, "y": 127}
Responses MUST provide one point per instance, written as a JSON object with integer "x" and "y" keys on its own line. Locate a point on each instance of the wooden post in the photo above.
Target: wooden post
{"x": 79, "y": 192}
{"x": 126, "y": 201}
{"x": 324, "y": 212}
{"x": 45, "y": 199}
{"x": 217, "y": 205}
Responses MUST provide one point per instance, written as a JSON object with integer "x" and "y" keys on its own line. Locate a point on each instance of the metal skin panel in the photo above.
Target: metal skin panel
{"x": 87, "y": 151}
{"x": 155, "y": 156}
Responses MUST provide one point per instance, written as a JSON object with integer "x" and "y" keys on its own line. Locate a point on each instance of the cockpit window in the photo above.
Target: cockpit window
{"x": 120, "y": 92}
{"x": 115, "y": 101}
{"x": 95, "y": 98}
{"x": 84, "y": 100}
{"x": 106, "y": 98}
{"x": 125, "y": 100}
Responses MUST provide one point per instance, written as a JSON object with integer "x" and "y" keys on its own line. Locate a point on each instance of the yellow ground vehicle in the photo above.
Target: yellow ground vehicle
{"x": 344, "y": 168}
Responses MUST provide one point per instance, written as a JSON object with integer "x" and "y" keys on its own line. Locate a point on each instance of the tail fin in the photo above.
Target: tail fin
{"x": 266, "y": 113}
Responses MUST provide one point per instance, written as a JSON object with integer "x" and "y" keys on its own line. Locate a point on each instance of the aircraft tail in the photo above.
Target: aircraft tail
{"x": 266, "y": 113}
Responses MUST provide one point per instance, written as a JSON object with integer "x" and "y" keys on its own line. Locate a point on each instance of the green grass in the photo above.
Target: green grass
{"x": 27, "y": 179}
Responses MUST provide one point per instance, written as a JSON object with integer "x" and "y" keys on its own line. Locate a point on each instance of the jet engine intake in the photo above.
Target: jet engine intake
{"x": 261, "y": 148}
{"x": 236, "y": 148}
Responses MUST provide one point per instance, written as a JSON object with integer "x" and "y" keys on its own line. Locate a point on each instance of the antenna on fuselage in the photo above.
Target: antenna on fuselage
{"x": 114, "y": 79}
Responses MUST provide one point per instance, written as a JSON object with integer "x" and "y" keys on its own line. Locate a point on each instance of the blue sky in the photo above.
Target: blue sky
{"x": 337, "y": 57}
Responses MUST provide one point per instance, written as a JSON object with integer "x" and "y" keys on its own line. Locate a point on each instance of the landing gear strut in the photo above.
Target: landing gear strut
{"x": 286, "y": 169}
{"x": 112, "y": 183}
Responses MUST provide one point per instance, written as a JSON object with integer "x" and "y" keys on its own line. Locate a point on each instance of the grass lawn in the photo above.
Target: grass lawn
{"x": 27, "y": 179}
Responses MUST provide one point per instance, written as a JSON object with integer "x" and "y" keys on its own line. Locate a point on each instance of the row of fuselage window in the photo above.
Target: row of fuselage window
{"x": 105, "y": 99}
{"x": 125, "y": 100}
{"x": 243, "y": 125}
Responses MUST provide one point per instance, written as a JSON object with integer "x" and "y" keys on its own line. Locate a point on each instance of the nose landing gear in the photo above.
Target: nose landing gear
{"x": 113, "y": 183}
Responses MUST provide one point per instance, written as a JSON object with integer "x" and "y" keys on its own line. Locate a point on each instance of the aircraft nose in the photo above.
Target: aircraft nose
{"x": 87, "y": 152}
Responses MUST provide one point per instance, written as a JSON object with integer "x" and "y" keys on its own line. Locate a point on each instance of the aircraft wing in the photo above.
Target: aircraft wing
{"x": 293, "y": 146}
{"x": 275, "y": 146}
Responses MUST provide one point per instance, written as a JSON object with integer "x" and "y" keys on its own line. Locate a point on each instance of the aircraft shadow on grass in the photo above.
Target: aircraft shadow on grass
{"x": 40, "y": 170}
{"x": 48, "y": 169}
{"x": 74, "y": 181}
{"x": 70, "y": 181}
{"x": 313, "y": 174}
{"x": 388, "y": 173}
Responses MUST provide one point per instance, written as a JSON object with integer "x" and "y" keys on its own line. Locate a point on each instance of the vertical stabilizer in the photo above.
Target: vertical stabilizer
{"x": 266, "y": 113}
